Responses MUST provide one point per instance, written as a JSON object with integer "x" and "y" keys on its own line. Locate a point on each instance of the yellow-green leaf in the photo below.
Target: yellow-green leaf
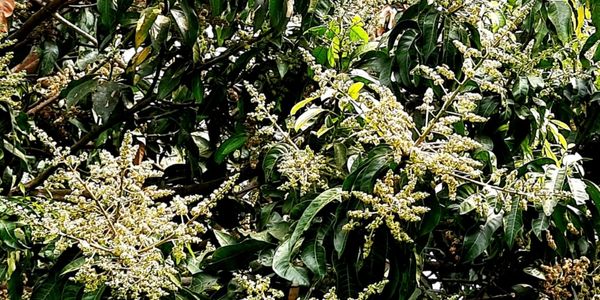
{"x": 301, "y": 104}
{"x": 354, "y": 90}
{"x": 307, "y": 118}
{"x": 145, "y": 23}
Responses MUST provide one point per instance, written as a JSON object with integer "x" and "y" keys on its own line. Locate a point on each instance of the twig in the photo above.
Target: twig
{"x": 38, "y": 106}
{"x": 36, "y": 19}
{"x": 86, "y": 35}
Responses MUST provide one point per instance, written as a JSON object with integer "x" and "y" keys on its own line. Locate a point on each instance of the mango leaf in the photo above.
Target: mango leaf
{"x": 578, "y": 190}
{"x": 49, "y": 57}
{"x": 307, "y": 118}
{"x": 233, "y": 143}
{"x": 107, "y": 12}
{"x": 47, "y": 290}
{"x": 354, "y": 90}
{"x": 358, "y": 34}
{"x": 560, "y": 15}
{"x": 73, "y": 266}
{"x": 269, "y": 164}
{"x": 277, "y": 13}
{"x": 301, "y": 104}
{"x": 224, "y": 238}
{"x": 94, "y": 295}
{"x": 159, "y": 30}
{"x": 106, "y": 97}
{"x": 80, "y": 90}
{"x": 189, "y": 27}
{"x": 144, "y": 24}
{"x": 520, "y": 89}
{"x": 476, "y": 243}
{"x": 403, "y": 58}
{"x": 313, "y": 255}
{"x": 282, "y": 259}
{"x": 555, "y": 179}
{"x": 15, "y": 285}
{"x": 70, "y": 291}
{"x": 513, "y": 222}
{"x": 429, "y": 34}
{"x": 232, "y": 257}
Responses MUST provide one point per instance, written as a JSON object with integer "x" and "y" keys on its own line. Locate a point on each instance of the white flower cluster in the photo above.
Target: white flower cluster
{"x": 119, "y": 226}
{"x": 258, "y": 288}
{"x": 8, "y": 80}
{"x": 304, "y": 171}
{"x": 389, "y": 207}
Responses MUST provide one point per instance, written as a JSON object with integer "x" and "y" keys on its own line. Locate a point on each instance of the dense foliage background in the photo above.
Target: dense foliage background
{"x": 299, "y": 149}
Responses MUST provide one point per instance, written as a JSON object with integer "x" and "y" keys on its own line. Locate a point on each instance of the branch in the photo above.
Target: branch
{"x": 36, "y": 19}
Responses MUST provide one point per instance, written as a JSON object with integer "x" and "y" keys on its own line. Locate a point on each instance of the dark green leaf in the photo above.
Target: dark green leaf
{"x": 476, "y": 243}
{"x": 49, "y": 57}
{"x": 403, "y": 55}
{"x": 233, "y": 143}
{"x": 560, "y": 14}
{"x": 282, "y": 260}
{"x": 513, "y": 222}
{"x": 49, "y": 289}
{"x": 236, "y": 256}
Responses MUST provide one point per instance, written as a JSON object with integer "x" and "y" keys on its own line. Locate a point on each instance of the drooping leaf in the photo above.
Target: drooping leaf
{"x": 307, "y": 118}
{"x": 232, "y": 257}
{"x": 476, "y": 243}
{"x": 513, "y": 222}
{"x": 233, "y": 143}
{"x": 560, "y": 15}
{"x": 144, "y": 23}
{"x": 282, "y": 259}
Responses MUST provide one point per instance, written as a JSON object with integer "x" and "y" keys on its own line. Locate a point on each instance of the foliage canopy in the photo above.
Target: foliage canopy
{"x": 299, "y": 149}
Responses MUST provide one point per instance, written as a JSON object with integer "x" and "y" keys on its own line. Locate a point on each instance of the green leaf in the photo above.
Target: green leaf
{"x": 301, "y": 104}
{"x": 403, "y": 55}
{"x": 560, "y": 15}
{"x": 72, "y": 266}
{"x": 354, "y": 90}
{"x": 94, "y": 295}
{"x": 476, "y": 243}
{"x": 47, "y": 290}
{"x": 539, "y": 225}
{"x": 269, "y": 164}
{"x": 282, "y": 259}
{"x": 70, "y": 291}
{"x": 202, "y": 282}
{"x": 80, "y": 91}
{"x": 277, "y": 13}
{"x": 578, "y": 190}
{"x": 216, "y": 7}
{"x": 224, "y": 238}
{"x": 358, "y": 34}
{"x": 15, "y": 285}
{"x": 236, "y": 256}
{"x": 198, "y": 88}
{"x": 170, "y": 80}
{"x": 49, "y": 57}
{"x": 106, "y": 97}
{"x": 313, "y": 256}
{"x": 107, "y": 12}
{"x": 429, "y": 34}
{"x": 520, "y": 89}
{"x": 189, "y": 27}
{"x": 233, "y": 143}
{"x": 160, "y": 30}
{"x": 555, "y": 179}
{"x": 513, "y": 222}
{"x": 307, "y": 118}
{"x": 7, "y": 236}
{"x": 144, "y": 24}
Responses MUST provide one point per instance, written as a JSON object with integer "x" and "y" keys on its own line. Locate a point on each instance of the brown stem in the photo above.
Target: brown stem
{"x": 36, "y": 19}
